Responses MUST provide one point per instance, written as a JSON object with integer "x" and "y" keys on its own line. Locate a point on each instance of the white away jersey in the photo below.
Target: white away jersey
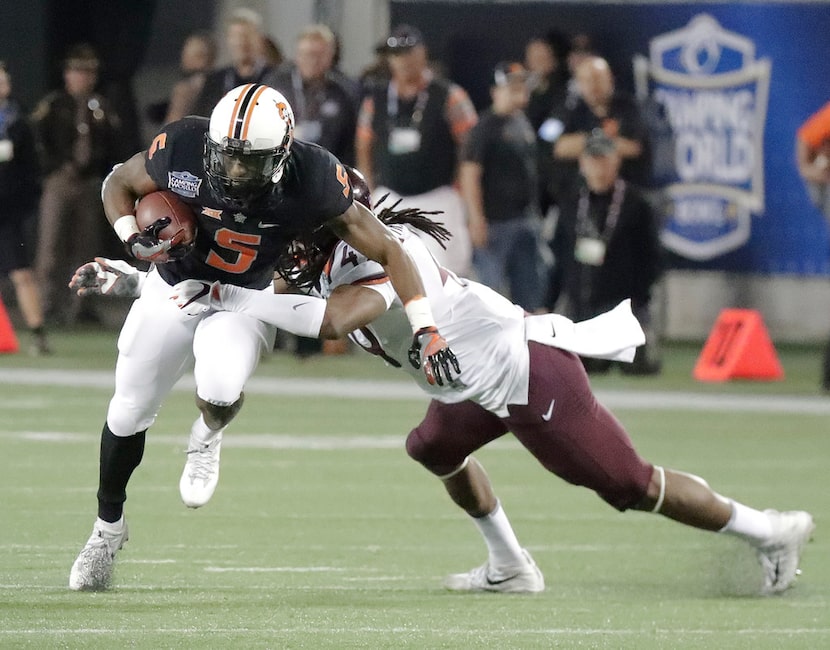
{"x": 484, "y": 330}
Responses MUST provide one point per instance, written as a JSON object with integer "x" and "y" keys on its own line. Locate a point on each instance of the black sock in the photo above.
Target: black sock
{"x": 119, "y": 457}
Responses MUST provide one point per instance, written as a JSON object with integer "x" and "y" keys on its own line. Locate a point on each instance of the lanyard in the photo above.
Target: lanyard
{"x": 612, "y": 216}
{"x": 417, "y": 112}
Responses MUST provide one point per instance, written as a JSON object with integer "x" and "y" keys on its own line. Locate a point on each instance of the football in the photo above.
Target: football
{"x": 164, "y": 203}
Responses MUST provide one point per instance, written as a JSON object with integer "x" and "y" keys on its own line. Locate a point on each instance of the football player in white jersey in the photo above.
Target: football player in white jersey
{"x": 521, "y": 374}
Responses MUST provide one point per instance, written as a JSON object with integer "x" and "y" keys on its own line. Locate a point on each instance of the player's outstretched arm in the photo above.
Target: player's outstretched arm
{"x": 105, "y": 277}
{"x": 349, "y": 307}
{"x": 359, "y": 228}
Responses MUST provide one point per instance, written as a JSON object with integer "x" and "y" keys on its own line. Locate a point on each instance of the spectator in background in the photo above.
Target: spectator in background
{"x": 546, "y": 111}
{"x": 377, "y": 73}
{"x": 498, "y": 178}
{"x": 617, "y": 114}
{"x": 18, "y": 201}
{"x": 581, "y": 47}
{"x": 548, "y": 80}
{"x": 271, "y": 52}
{"x": 607, "y": 247}
{"x": 408, "y": 136}
{"x": 244, "y": 42}
{"x": 197, "y": 59}
{"x": 78, "y": 137}
{"x": 324, "y": 109}
{"x": 812, "y": 151}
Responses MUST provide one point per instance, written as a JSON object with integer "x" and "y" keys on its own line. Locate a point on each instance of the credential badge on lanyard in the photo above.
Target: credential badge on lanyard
{"x": 405, "y": 139}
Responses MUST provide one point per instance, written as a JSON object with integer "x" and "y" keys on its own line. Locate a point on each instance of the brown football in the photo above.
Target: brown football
{"x": 164, "y": 203}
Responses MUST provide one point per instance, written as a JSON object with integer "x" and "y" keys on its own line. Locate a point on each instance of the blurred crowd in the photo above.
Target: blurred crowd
{"x": 546, "y": 190}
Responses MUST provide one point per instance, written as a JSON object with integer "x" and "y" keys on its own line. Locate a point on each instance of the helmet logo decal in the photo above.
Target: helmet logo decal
{"x": 283, "y": 109}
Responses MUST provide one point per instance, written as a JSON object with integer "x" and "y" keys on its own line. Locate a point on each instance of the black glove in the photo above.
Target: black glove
{"x": 147, "y": 247}
{"x": 430, "y": 350}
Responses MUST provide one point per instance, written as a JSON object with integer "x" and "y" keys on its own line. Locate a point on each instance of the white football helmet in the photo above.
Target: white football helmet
{"x": 248, "y": 142}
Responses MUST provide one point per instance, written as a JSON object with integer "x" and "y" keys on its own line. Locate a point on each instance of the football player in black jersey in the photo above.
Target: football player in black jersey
{"x": 256, "y": 191}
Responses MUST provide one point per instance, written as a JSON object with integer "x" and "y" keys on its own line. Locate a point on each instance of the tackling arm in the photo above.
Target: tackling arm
{"x": 361, "y": 230}
{"x": 364, "y": 232}
{"x": 350, "y": 307}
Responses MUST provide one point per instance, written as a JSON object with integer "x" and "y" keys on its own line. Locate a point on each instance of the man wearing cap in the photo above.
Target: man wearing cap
{"x": 607, "y": 247}
{"x": 498, "y": 178}
{"x": 408, "y": 135}
{"x": 79, "y": 138}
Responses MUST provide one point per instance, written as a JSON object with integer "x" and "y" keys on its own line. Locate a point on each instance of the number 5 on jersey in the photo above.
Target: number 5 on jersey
{"x": 244, "y": 245}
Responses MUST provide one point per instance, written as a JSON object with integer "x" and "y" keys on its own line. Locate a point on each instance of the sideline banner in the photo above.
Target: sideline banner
{"x": 707, "y": 85}
{"x": 725, "y": 86}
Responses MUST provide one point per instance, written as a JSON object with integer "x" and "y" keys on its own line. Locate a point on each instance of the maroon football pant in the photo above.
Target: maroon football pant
{"x": 562, "y": 425}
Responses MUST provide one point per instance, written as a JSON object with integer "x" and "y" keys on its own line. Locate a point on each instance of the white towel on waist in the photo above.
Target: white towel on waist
{"x": 613, "y": 335}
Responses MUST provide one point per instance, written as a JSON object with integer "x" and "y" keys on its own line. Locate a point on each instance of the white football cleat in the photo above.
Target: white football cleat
{"x": 92, "y": 570}
{"x": 201, "y": 472}
{"x": 524, "y": 579}
{"x": 779, "y": 556}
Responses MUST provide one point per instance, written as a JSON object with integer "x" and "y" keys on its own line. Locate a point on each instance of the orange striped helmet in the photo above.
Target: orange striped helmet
{"x": 248, "y": 142}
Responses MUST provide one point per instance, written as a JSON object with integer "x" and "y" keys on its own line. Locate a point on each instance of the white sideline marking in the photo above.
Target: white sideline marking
{"x": 368, "y": 390}
{"x": 455, "y": 632}
{"x": 272, "y": 569}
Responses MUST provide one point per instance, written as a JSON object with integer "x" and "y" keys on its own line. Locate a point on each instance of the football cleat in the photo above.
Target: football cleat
{"x": 201, "y": 472}
{"x": 92, "y": 570}
{"x": 524, "y": 579}
{"x": 779, "y": 556}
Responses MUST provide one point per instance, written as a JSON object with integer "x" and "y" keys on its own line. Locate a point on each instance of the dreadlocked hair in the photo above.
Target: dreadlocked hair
{"x": 303, "y": 261}
{"x": 418, "y": 219}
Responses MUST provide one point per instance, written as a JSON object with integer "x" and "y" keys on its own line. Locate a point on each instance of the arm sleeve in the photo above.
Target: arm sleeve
{"x": 298, "y": 314}
{"x": 460, "y": 113}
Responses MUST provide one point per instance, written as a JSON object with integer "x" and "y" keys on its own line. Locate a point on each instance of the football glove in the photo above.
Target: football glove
{"x": 105, "y": 277}
{"x": 146, "y": 246}
{"x": 429, "y": 351}
{"x": 195, "y": 297}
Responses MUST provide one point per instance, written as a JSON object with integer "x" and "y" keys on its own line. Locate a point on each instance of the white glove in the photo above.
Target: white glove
{"x": 195, "y": 297}
{"x": 106, "y": 277}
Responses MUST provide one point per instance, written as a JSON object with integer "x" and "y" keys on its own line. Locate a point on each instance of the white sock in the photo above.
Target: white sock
{"x": 502, "y": 544}
{"x": 202, "y": 433}
{"x": 748, "y": 523}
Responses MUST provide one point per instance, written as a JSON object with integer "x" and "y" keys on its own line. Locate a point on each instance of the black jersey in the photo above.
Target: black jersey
{"x": 241, "y": 247}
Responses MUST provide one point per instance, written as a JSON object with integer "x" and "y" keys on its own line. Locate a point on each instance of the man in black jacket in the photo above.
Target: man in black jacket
{"x": 607, "y": 245}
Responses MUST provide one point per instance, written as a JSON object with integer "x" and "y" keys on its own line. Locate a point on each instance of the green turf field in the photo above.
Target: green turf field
{"x": 323, "y": 534}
